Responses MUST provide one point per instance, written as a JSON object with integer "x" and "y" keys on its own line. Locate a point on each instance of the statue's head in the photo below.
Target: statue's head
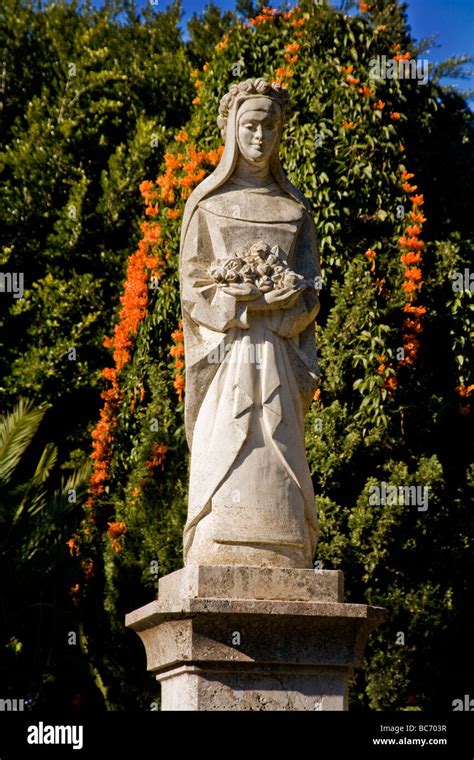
{"x": 259, "y": 110}
{"x": 251, "y": 119}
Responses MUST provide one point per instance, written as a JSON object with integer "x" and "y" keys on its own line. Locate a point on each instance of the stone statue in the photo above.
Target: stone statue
{"x": 249, "y": 276}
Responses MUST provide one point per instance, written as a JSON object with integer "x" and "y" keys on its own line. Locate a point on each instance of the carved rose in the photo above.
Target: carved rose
{"x": 259, "y": 265}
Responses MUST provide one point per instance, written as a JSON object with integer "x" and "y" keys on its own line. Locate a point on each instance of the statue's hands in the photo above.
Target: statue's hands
{"x": 244, "y": 291}
{"x": 283, "y": 298}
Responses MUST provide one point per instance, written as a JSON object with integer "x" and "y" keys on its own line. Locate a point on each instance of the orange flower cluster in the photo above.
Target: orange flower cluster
{"x": 116, "y": 532}
{"x": 290, "y": 55}
{"x": 102, "y": 437}
{"x": 286, "y": 72}
{"x": 298, "y": 23}
{"x": 464, "y": 392}
{"x": 402, "y": 56}
{"x": 365, "y": 90}
{"x": 73, "y": 544}
{"x": 348, "y": 124}
{"x": 267, "y": 14}
{"x": 222, "y": 44}
{"x": 158, "y": 456}
{"x": 395, "y": 116}
{"x": 283, "y": 73}
{"x": 177, "y": 352}
{"x": 135, "y": 297}
{"x": 379, "y": 105}
{"x": 364, "y": 7}
{"x": 352, "y": 80}
{"x": 144, "y": 263}
{"x": 412, "y": 247}
{"x": 195, "y": 165}
{"x": 385, "y": 370}
{"x": 371, "y": 254}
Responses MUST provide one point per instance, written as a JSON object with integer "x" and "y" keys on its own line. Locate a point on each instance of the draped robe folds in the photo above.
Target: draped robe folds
{"x": 250, "y": 377}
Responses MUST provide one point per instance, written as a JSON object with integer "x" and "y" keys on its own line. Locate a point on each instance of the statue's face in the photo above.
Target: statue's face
{"x": 258, "y": 129}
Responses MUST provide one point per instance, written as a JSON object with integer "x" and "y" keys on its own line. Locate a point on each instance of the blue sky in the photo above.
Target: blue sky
{"x": 451, "y": 20}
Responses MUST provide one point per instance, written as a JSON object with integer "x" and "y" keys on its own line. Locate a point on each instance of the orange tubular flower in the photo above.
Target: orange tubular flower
{"x": 116, "y": 532}
{"x": 371, "y": 255}
{"x": 390, "y": 384}
{"x": 379, "y": 105}
{"x": 177, "y": 352}
{"x": 417, "y": 310}
{"x": 283, "y": 73}
{"x": 395, "y": 116}
{"x": 158, "y": 456}
{"x": 464, "y": 390}
{"x": 413, "y": 273}
{"x": 367, "y": 91}
{"x": 222, "y": 44}
{"x": 178, "y": 385}
{"x": 410, "y": 241}
{"x": 410, "y": 258}
{"x": 416, "y": 216}
{"x": 352, "y": 80}
{"x": 73, "y": 545}
{"x": 402, "y": 57}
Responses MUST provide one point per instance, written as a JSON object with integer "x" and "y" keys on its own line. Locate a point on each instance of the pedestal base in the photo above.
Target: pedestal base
{"x": 247, "y": 638}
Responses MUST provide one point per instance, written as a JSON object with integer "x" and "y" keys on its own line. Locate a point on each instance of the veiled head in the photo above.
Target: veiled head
{"x": 254, "y": 90}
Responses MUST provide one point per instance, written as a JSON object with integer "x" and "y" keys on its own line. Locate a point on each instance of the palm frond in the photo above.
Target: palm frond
{"x": 17, "y": 429}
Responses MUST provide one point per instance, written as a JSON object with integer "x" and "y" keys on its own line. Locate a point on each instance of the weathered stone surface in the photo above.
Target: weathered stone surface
{"x": 249, "y": 280}
{"x": 261, "y": 689}
{"x": 243, "y": 582}
{"x": 229, "y": 651}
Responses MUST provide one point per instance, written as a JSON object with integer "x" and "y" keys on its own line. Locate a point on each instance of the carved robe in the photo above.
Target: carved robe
{"x": 250, "y": 377}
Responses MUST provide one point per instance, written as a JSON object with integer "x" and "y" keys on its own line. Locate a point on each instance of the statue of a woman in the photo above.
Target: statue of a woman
{"x": 249, "y": 272}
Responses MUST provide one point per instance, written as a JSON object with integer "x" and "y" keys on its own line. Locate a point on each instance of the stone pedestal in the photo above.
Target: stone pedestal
{"x": 250, "y": 638}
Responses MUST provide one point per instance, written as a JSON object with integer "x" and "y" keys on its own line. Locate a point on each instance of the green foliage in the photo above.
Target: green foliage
{"x": 346, "y": 155}
{"x": 74, "y": 151}
{"x": 205, "y": 31}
